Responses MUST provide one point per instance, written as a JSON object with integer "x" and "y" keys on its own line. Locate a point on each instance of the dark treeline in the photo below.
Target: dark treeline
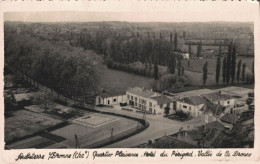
{"x": 57, "y": 65}
{"x": 120, "y": 50}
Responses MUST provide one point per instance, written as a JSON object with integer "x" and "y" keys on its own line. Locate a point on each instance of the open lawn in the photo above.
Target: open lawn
{"x": 196, "y": 65}
{"x": 111, "y": 79}
{"x": 24, "y": 123}
{"x": 88, "y": 135}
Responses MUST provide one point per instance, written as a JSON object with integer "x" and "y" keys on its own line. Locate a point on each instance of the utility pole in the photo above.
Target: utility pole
{"x": 111, "y": 138}
{"x": 77, "y": 141}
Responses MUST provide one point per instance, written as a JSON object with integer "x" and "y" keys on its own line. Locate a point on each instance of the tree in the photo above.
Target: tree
{"x": 190, "y": 49}
{"x": 171, "y": 65}
{"x": 218, "y": 70}
{"x": 156, "y": 72}
{"x": 166, "y": 110}
{"x": 230, "y": 47}
{"x": 205, "y": 73}
{"x": 199, "y": 49}
{"x": 253, "y": 68}
{"x": 243, "y": 72}
{"x": 238, "y": 70}
{"x": 219, "y": 51}
{"x": 175, "y": 41}
{"x": 224, "y": 70}
{"x": 179, "y": 67}
{"x": 233, "y": 65}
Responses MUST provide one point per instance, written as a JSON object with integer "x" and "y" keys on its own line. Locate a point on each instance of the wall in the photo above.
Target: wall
{"x": 104, "y": 101}
{"x": 193, "y": 110}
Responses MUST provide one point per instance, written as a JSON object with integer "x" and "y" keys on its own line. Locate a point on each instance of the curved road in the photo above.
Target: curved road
{"x": 159, "y": 126}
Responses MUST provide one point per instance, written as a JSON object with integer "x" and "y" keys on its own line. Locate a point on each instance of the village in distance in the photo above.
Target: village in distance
{"x": 128, "y": 85}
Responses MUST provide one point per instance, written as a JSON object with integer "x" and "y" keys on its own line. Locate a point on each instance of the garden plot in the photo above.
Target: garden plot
{"x": 88, "y": 135}
{"x": 24, "y": 123}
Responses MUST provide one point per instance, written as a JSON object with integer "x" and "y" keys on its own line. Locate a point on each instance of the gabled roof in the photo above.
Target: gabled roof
{"x": 141, "y": 92}
{"x": 111, "y": 94}
{"x": 162, "y": 99}
{"x": 192, "y": 100}
{"x": 210, "y": 107}
{"x": 216, "y": 96}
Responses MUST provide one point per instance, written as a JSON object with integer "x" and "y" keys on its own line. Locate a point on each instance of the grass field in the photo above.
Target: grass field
{"x": 196, "y": 65}
{"x": 111, "y": 79}
{"x": 25, "y": 123}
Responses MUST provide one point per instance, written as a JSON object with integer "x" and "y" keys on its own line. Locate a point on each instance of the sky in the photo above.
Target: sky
{"x": 163, "y": 12}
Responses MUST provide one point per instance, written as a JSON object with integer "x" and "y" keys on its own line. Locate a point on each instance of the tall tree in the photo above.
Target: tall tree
{"x": 179, "y": 67}
{"x": 205, "y": 73}
{"x": 230, "y": 47}
{"x": 171, "y": 65}
{"x": 224, "y": 70}
{"x": 243, "y": 72}
{"x": 253, "y": 68}
{"x": 219, "y": 51}
{"x": 238, "y": 70}
{"x": 156, "y": 71}
{"x": 218, "y": 70}
{"x": 189, "y": 49}
{"x": 233, "y": 64}
{"x": 175, "y": 41}
{"x": 199, "y": 49}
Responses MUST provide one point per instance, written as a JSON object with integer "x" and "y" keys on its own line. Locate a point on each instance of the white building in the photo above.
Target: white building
{"x": 148, "y": 100}
{"x": 192, "y": 105}
{"x": 110, "y": 98}
{"x": 221, "y": 99}
{"x": 185, "y": 55}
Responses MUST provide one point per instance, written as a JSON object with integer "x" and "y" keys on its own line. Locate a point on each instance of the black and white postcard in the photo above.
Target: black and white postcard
{"x": 129, "y": 81}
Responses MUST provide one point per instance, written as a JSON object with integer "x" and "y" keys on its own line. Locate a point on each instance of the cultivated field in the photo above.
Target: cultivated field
{"x": 24, "y": 123}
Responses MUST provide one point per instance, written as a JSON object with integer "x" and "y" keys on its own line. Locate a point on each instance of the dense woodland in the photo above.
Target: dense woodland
{"x": 57, "y": 55}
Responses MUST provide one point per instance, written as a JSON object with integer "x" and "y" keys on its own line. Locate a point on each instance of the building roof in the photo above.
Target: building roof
{"x": 210, "y": 107}
{"x": 111, "y": 94}
{"x": 162, "y": 99}
{"x": 192, "y": 100}
{"x": 217, "y": 96}
{"x": 141, "y": 92}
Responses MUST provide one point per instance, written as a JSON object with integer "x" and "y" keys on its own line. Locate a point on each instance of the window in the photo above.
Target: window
{"x": 99, "y": 100}
{"x": 140, "y": 105}
{"x": 144, "y": 107}
{"x": 135, "y": 103}
{"x": 114, "y": 99}
{"x": 132, "y": 98}
{"x": 128, "y": 97}
{"x": 108, "y": 102}
{"x": 135, "y": 98}
{"x": 150, "y": 104}
{"x": 144, "y": 102}
{"x": 228, "y": 102}
{"x": 184, "y": 106}
{"x": 189, "y": 108}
